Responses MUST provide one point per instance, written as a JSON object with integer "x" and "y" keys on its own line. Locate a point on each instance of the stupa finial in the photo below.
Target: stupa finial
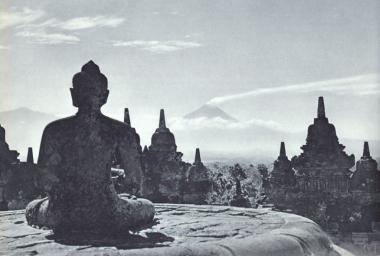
{"x": 282, "y": 150}
{"x": 162, "y": 123}
{"x": 321, "y": 108}
{"x": 366, "y": 152}
{"x": 127, "y": 119}
{"x": 197, "y": 157}
{"x": 29, "y": 158}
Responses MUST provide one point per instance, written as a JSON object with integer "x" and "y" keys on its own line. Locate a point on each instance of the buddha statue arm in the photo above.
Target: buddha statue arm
{"x": 48, "y": 159}
{"x": 130, "y": 160}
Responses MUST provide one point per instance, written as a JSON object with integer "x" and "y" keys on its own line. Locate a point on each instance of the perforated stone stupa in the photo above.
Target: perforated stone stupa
{"x": 127, "y": 120}
{"x": 282, "y": 173}
{"x": 120, "y": 177}
{"x": 164, "y": 170}
{"x": 198, "y": 183}
{"x": 367, "y": 176}
{"x": 323, "y": 164}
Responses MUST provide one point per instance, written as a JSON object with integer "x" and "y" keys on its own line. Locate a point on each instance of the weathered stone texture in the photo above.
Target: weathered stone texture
{"x": 182, "y": 230}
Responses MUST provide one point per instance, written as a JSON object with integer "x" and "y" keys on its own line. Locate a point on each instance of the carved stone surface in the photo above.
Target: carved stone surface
{"x": 183, "y": 230}
{"x": 76, "y": 155}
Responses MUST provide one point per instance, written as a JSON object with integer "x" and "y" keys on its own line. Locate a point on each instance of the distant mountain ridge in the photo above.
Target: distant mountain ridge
{"x": 23, "y": 128}
{"x": 24, "y": 114}
{"x": 210, "y": 111}
{"x": 228, "y": 141}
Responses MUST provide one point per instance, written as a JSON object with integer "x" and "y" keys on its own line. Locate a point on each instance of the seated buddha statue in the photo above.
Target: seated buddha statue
{"x": 75, "y": 159}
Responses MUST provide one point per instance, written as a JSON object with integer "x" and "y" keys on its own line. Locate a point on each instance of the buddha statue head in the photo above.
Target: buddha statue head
{"x": 89, "y": 92}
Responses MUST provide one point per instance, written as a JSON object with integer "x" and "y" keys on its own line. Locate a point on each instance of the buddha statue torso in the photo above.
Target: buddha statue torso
{"x": 75, "y": 160}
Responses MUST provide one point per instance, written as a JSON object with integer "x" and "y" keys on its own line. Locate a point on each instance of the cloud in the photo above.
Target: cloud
{"x": 158, "y": 46}
{"x": 166, "y": 13}
{"x": 53, "y": 22}
{"x": 3, "y": 47}
{"x": 38, "y": 28}
{"x": 79, "y": 23}
{"x": 17, "y": 17}
{"x": 356, "y": 85}
{"x": 219, "y": 123}
{"x": 193, "y": 35}
{"x": 41, "y": 37}
{"x": 90, "y": 22}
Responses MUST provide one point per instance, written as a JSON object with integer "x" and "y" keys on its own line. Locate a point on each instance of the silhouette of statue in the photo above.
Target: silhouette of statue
{"x": 75, "y": 159}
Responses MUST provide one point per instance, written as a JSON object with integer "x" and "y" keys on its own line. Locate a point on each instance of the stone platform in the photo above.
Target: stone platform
{"x": 183, "y": 230}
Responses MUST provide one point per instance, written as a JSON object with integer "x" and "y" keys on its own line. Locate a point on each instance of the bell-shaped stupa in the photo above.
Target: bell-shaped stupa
{"x": 366, "y": 177}
{"x": 323, "y": 164}
{"x": 282, "y": 173}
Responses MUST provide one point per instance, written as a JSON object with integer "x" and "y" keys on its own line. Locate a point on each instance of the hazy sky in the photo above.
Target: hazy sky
{"x": 179, "y": 55}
